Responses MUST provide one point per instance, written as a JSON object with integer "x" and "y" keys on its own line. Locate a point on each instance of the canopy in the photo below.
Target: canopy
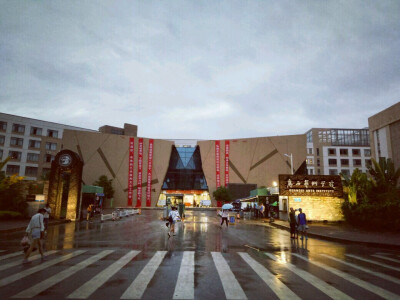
{"x": 259, "y": 192}
{"x": 92, "y": 189}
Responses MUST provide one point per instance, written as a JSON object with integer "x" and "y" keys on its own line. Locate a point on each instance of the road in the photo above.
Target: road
{"x": 133, "y": 258}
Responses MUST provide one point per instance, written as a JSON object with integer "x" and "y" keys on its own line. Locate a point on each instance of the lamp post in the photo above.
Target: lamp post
{"x": 291, "y": 161}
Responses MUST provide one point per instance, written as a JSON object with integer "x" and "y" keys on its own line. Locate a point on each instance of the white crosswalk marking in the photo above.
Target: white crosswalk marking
{"x": 373, "y": 262}
{"x": 184, "y": 288}
{"x": 139, "y": 285}
{"x": 90, "y": 287}
{"x": 11, "y": 255}
{"x": 38, "y": 268}
{"x": 318, "y": 283}
{"x": 375, "y": 273}
{"x": 278, "y": 287}
{"x": 231, "y": 286}
{"x": 365, "y": 285}
{"x": 44, "y": 285}
{"x": 19, "y": 262}
{"x": 386, "y": 258}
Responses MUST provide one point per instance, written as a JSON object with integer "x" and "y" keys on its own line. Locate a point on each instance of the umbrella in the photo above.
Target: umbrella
{"x": 275, "y": 203}
{"x": 227, "y": 206}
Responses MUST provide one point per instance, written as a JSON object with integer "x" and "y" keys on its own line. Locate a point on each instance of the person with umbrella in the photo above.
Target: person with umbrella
{"x": 225, "y": 214}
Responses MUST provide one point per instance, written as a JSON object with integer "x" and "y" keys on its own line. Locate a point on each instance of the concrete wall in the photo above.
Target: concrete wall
{"x": 319, "y": 208}
{"x": 108, "y": 154}
{"x": 253, "y": 160}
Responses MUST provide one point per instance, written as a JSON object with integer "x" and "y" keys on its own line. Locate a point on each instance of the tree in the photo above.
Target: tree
{"x": 355, "y": 186}
{"x": 105, "y": 183}
{"x": 222, "y": 194}
{"x": 383, "y": 174}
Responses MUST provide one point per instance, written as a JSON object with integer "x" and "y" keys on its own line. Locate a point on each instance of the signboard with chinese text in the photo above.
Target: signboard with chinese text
{"x": 310, "y": 185}
{"x": 130, "y": 170}
{"x": 140, "y": 174}
{"x": 149, "y": 172}
{"x": 227, "y": 163}
{"x": 217, "y": 163}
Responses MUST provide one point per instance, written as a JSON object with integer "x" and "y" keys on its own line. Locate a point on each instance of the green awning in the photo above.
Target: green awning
{"x": 259, "y": 192}
{"x": 92, "y": 189}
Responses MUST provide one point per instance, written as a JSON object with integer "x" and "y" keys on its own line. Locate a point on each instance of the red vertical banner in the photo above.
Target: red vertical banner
{"x": 226, "y": 163}
{"x": 130, "y": 172}
{"x": 149, "y": 172}
{"x": 139, "y": 174}
{"x": 218, "y": 163}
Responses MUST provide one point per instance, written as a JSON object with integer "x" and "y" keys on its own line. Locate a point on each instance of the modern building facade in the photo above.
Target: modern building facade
{"x": 385, "y": 134}
{"x": 332, "y": 151}
{"x": 32, "y": 144}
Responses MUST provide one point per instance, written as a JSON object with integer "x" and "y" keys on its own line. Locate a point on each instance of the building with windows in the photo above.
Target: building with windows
{"x": 32, "y": 144}
{"x": 385, "y": 134}
{"x": 332, "y": 151}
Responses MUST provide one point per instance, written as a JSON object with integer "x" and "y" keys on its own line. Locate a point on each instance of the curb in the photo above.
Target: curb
{"x": 342, "y": 240}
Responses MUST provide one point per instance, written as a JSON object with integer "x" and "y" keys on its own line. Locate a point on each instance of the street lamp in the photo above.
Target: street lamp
{"x": 291, "y": 161}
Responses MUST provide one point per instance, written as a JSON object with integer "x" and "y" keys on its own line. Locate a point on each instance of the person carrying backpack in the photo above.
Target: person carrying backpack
{"x": 172, "y": 218}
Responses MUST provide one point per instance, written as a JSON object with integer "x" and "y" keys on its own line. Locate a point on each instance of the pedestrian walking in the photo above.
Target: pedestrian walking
{"x": 262, "y": 209}
{"x": 302, "y": 224}
{"x": 46, "y": 216}
{"x": 172, "y": 218}
{"x": 293, "y": 223}
{"x": 224, "y": 216}
{"x": 89, "y": 212}
{"x": 36, "y": 230}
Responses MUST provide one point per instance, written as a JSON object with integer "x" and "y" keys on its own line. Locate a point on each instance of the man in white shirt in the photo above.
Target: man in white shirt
{"x": 172, "y": 218}
{"x": 35, "y": 228}
{"x": 46, "y": 216}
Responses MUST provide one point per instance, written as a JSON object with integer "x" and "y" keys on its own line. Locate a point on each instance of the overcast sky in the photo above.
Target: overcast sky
{"x": 200, "y": 69}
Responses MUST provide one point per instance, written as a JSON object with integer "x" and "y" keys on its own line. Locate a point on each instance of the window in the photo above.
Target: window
{"x": 331, "y": 151}
{"x": 1, "y": 153}
{"x": 2, "y": 139}
{"x": 356, "y": 152}
{"x": 32, "y": 157}
{"x": 12, "y": 169}
{"x": 309, "y": 150}
{"x": 310, "y": 161}
{"x": 319, "y": 171}
{"x": 36, "y": 131}
{"x": 31, "y": 171}
{"x": 310, "y": 171}
{"x": 367, "y": 163}
{"x": 317, "y": 151}
{"x": 344, "y": 152}
{"x": 346, "y": 172}
{"x": 15, "y": 155}
{"x": 34, "y": 144}
{"x": 309, "y": 136}
{"x": 332, "y": 162}
{"x": 16, "y": 142}
{"x": 344, "y": 162}
{"x": 367, "y": 152}
{"x": 357, "y": 162}
{"x": 333, "y": 172}
{"x": 51, "y": 146}
{"x": 18, "y": 128}
{"x": 318, "y": 162}
{"x": 48, "y": 158}
{"x": 3, "y": 126}
{"x": 52, "y": 133}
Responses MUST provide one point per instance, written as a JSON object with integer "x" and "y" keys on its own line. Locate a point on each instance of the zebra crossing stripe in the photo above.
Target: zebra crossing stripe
{"x": 231, "y": 286}
{"x": 375, "y": 273}
{"x": 387, "y": 258}
{"x": 38, "y": 268}
{"x": 11, "y": 255}
{"x": 318, "y": 283}
{"x": 277, "y": 286}
{"x": 44, "y": 285}
{"x": 361, "y": 283}
{"x": 184, "y": 288}
{"x": 19, "y": 262}
{"x": 92, "y": 285}
{"x": 373, "y": 262}
{"x": 139, "y": 285}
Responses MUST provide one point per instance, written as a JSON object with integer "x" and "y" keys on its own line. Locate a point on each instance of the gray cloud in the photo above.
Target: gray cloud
{"x": 200, "y": 69}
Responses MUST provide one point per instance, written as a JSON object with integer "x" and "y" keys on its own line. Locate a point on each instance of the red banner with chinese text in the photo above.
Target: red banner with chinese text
{"x": 130, "y": 172}
{"x": 226, "y": 163}
{"x": 140, "y": 173}
{"x": 149, "y": 172}
{"x": 218, "y": 163}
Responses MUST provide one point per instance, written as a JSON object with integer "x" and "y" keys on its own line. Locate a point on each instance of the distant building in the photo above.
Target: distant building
{"x": 31, "y": 143}
{"x": 129, "y": 129}
{"x": 385, "y": 134}
{"x": 331, "y": 151}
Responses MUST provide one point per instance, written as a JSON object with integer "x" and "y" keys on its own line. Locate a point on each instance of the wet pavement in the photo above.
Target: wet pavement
{"x": 133, "y": 258}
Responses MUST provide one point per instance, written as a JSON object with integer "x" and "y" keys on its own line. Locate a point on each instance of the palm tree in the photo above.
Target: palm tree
{"x": 355, "y": 186}
{"x": 384, "y": 175}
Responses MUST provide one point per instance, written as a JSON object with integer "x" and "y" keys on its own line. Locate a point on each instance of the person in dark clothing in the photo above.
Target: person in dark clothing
{"x": 293, "y": 223}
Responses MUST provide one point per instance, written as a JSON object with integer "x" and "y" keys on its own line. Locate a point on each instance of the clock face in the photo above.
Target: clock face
{"x": 65, "y": 160}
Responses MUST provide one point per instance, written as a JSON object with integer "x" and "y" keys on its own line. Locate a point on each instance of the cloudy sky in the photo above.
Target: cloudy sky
{"x": 200, "y": 69}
